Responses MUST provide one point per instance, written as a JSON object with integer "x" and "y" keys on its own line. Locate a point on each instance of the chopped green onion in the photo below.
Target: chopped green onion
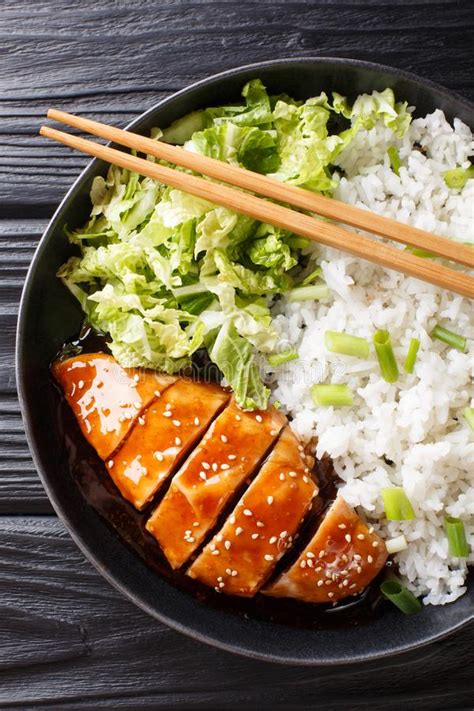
{"x": 395, "y": 545}
{"x": 458, "y": 177}
{"x": 395, "y": 161}
{"x": 456, "y": 533}
{"x": 452, "y": 339}
{"x": 277, "y": 359}
{"x": 411, "y": 355}
{"x": 277, "y": 404}
{"x": 420, "y": 252}
{"x": 335, "y": 395}
{"x": 397, "y": 504}
{"x": 397, "y": 593}
{"x": 385, "y": 356}
{"x": 469, "y": 416}
{"x": 311, "y": 277}
{"x": 309, "y": 293}
{"x": 338, "y": 342}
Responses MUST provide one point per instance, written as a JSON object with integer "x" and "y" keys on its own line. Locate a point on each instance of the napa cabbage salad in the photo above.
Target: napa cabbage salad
{"x": 165, "y": 274}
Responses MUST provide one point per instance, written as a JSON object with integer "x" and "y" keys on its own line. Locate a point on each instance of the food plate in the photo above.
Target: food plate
{"x": 49, "y": 317}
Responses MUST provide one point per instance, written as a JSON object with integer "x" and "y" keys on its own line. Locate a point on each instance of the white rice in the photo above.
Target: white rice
{"x": 416, "y": 423}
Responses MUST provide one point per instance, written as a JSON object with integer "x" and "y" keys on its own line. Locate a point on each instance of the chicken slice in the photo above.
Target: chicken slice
{"x": 341, "y": 560}
{"x": 228, "y": 454}
{"x": 105, "y": 397}
{"x": 240, "y": 558}
{"x": 163, "y": 435}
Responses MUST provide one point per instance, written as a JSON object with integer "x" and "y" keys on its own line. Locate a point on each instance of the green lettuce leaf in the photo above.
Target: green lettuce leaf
{"x": 235, "y": 357}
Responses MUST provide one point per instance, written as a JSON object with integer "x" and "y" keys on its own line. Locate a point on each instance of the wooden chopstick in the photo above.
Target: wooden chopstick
{"x": 269, "y": 187}
{"x": 283, "y": 217}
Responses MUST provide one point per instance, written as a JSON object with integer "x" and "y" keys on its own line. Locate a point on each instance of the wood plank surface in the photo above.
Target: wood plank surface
{"x": 68, "y": 640}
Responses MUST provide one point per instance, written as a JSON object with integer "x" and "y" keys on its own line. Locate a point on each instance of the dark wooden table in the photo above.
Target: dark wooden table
{"x": 67, "y": 639}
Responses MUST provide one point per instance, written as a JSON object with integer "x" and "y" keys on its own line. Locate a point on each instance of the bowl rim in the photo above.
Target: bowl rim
{"x": 61, "y": 511}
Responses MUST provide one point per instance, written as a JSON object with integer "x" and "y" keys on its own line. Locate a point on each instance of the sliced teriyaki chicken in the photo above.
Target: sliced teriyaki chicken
{"x": 163, "y": 435}
{"x": 105, "y": 397}
{"x": 341, "y": 559}
{"x": 230, "y": 451}
{"x": 260, "y": 529}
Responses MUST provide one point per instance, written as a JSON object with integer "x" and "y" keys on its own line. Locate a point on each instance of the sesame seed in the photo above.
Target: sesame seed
{"x": 227, "y": 545}
{"x": 359, "y": 569}
{"x": 357, "y": 556}
{"x": 292, "y": 474}
{"x": 177, "y": 441}
{"x": 318, "y": 569}
{"x": 141, "y": 420}
{"x": 110, "y": 463}
{"x": 273, "y": 433}
{"x": 310, "y": 563}
{"x": 238, "y": 418}
{"x": 330, "y": 594}
{"x": 190, "y": 539}
{"x": 234, "y": 573}
{"x": 232, "y": 519}
{"x": 197, "y": 421}
{"x": 351, "y": 587}
{"x": 214, "y": 467}
{"x": 231, "y": 457}
{"x": 371, "y": 529}
{"x": 80, "y": 384}
{"x": 342, "y": 525}
{"x": 247, "y": 512}
{"x": 283, "y": 534}
{"x": 345, "y": 583}
{"x": 273, "y": 540}
{"x": 267, "y": 556}
{"x": 176, "y": 423}
{"x": 254, "y": 536}
{"x": 305, "y": 479}
{"x": 225, "y": 466}
{"x": 306, "y": 470}
{"x": 205, "y": 465}
{"x": 223, "y": 439}
{"x": 320, "y": 583}
{"x": 270, "y": 500}
{"x": 328, "y": 582}
{"x": 370, "y": 559}
{"x": 348, "y": 537}
{"x": 215, "y": 552}
{"x": 137, "y": 404}
{"x": 260, "y": 524}
{"x": 167, "y": 413}
{"x": 128, "y": 416}
{"x": 344, "y": 558}
{"x": 159, "y": 456}
{"x": 195, "y": 523}
{"x": 375, "y": 544}
{"x": 238, "y": 530}
{"x": 219, "y": 537}
{"x": 321, "y": 554}
{"x": 360, "y": 536}
{"x": 228, "y": 571}
{"x": 303, "y": 564}
{"x": 136, "y": 377}
{"x": 259, "y": 418}
{"x": 121, "y": 418}
{"x": 167, "y": 406}
{"x": 221, "y": 585}
{"x": 309, "y": 554}
{"x": 301, "y": 448}
{"x": 282, "y": 477}
{"x": 212, "y": 546}
{"x": 157, "y": 393}
{"x": 203, "y": 476}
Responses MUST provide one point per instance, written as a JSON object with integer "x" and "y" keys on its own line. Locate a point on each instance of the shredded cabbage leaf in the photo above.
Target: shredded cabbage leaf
{"x": 164, "y": 273}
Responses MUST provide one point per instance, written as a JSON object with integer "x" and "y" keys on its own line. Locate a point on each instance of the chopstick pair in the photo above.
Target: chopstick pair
{"x": 248, "y": 204}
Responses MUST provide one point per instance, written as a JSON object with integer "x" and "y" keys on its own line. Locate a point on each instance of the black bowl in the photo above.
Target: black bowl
{"x": 49, "y": 316}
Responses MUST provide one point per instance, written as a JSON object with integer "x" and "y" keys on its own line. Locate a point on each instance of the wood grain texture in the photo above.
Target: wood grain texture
{"x": 68, "y": 640}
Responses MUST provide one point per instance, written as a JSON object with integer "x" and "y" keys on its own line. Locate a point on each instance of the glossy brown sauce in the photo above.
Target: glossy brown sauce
{"x": 90, "y": 475}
